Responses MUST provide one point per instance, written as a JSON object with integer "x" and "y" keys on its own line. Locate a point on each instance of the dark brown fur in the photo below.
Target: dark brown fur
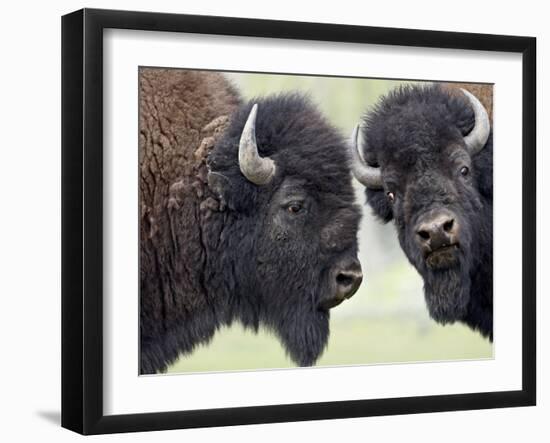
{"x": 180, "y": 120}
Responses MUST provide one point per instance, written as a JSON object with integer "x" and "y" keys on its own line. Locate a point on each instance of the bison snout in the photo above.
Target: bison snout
{"x": 348, "y": 279}
{"x": 437, "y": 230}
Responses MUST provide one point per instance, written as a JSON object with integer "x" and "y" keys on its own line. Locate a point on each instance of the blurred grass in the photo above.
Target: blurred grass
{"x": 353, "y": 343}
{"x": 387, "y": 320}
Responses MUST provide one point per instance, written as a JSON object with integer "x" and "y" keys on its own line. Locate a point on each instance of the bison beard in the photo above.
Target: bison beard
{"x": 216, "y": 247}
{"x": 447, "y": 293}
{"x": 302, "y": 328}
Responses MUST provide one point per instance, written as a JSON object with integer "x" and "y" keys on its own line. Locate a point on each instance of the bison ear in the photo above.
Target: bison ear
{"x": 232, "y": 193}
{"x": 380, "y": 205}
{"x": 218, "y": 183}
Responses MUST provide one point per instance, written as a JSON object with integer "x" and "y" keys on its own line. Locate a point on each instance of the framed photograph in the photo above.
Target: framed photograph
{"x": 270, "y": 221}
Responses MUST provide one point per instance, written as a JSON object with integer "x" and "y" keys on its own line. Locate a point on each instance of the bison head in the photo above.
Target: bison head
{"x": 425, "y": 156}
{"x": 283, "y": 174}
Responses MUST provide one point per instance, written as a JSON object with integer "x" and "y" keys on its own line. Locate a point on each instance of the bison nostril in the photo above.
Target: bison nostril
{"x": 424, "y": 234}
{"x": 348, "y": 280}
{"x": 448, "y": 225}
{"x": 344, "y": 279}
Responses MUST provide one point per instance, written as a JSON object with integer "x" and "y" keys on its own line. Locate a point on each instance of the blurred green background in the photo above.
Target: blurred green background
{"x": 387, "y": 320}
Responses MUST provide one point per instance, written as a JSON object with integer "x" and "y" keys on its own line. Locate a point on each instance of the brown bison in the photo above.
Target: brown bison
{"x": 247, "y": 214}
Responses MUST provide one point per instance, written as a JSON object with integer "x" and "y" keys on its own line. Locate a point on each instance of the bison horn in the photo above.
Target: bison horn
{"x": 369, "y": 176}
{"x": 476, "y": 139}
{"x": 259, "y": 170}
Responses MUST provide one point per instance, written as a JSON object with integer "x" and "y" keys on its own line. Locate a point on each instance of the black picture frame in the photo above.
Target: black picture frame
{"x": 82, "y": 218}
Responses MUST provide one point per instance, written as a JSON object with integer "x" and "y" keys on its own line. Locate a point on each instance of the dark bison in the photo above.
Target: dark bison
{"x": 425, "y": 154}
{"x": 247, "y": 214}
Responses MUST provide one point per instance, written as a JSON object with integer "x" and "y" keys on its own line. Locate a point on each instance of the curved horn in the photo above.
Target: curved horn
{"x": 476, "y": 139}
{"x": 369, "y": 176}
{"x": 259, "y": 170}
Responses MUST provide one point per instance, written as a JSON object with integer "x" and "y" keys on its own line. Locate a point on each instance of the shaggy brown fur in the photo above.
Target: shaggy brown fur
{"x": 483, "y": 92}
{"x": 180, "y": 120}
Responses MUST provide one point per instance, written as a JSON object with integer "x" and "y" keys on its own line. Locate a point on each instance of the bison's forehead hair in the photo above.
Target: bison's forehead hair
{"x": 414, "y": 122}
{"x": 291, "y": 131}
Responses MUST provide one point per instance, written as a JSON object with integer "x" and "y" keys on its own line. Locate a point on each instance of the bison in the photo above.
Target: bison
{"x": 248, "y": 214}
{"x": 425, "y": 155}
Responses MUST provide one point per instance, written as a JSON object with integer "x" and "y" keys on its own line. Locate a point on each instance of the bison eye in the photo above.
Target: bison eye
{"x": 294, "y": 207}
{"x": 391, "y": 196}
{"x": 464, "y": 171}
